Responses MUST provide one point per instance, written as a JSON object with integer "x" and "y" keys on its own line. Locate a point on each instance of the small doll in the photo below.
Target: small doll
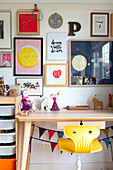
{"x": 25, "y": 100}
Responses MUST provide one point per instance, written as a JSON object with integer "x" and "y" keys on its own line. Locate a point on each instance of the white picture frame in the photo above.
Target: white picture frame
{"x": 37, "y": 91}
{"x": 56, "y": 46}
{"x": 56, "y": 74}
{"x": 5, "y": 30}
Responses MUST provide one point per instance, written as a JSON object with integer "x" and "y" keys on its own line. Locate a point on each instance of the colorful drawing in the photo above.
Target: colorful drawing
{"x": 6, "y": 59}
{"x": 56, "y": 74}
{"x": 28, "y": 56}
{"x": 33, "y": 86}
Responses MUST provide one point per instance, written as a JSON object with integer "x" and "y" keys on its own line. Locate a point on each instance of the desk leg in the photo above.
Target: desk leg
{"x": 27, "y": 131}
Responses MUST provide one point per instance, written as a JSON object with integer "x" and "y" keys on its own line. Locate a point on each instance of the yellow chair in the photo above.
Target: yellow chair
{"x": 81, "y": 139}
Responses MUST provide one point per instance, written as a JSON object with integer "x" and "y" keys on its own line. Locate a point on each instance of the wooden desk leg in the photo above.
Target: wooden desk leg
{"x": 19, "y": 143}
{"x": 29, "y": 154}
{"x": 27, "y": 131}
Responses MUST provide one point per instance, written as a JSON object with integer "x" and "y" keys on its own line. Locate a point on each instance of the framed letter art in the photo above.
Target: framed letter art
{"x": 28, "y": 56}
{"x": 26, "y": 24}
{"x": 56, "y": 74}
{"x": 56, "y": 46}
{"x": 99, "y": 24}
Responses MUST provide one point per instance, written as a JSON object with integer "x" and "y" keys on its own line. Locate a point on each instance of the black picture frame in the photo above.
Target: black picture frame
{"x": 32, "y": 46}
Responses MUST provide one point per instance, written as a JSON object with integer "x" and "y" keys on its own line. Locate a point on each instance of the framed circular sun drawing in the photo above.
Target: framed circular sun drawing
{"x": 55, "y": 21}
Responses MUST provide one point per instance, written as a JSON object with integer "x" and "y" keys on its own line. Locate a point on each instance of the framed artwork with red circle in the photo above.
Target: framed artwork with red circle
{"x": 56, "y": 74}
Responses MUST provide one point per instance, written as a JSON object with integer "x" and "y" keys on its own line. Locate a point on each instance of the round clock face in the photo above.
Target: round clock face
{"x": 79, "y": 62}
{"x": 55, "y": 21}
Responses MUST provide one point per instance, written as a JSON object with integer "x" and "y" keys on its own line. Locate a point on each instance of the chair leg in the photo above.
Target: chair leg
{"x": 78, "y": 162}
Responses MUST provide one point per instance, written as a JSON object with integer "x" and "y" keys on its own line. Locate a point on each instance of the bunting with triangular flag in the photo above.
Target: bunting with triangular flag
{"x": 106, "y": 131}
{"x": 60, "y": 134}
{"x": 53, "y": 145}
{"x": 41, "y": 131}
{"x": 106, "y": 141}
{"x": 51, "y": 133}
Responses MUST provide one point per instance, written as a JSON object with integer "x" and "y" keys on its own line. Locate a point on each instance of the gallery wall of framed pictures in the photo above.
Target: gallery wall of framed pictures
{"x": 28, "y": 50}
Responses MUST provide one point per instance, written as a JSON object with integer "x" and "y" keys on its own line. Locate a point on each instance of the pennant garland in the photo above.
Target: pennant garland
{"x": 61, "y": 133}
{"x": 41, "y": 131}
{"x": 106, "y": 131}
{"x": 51, "y": 133}
{"x": 106, "y": 141}
{"x": 53, "y": 145}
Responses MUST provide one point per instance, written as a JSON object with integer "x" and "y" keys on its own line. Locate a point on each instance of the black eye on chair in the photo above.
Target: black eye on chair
{"x": 90, "y": 132}
{"x": 74, "y": 131}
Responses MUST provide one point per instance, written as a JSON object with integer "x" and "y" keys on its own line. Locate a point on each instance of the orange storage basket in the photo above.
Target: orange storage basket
{"x": 8, "y": 164}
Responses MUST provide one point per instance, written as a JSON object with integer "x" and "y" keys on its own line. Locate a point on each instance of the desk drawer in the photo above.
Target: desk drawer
{"x": 100, "y": 124}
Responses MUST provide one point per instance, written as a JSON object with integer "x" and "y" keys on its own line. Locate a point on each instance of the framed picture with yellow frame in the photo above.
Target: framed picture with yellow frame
{"x": 27, "y": 23}
{"x": 56, "y": 74}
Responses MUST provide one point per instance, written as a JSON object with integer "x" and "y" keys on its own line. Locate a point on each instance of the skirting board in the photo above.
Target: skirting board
{"x": 88, "y": 166}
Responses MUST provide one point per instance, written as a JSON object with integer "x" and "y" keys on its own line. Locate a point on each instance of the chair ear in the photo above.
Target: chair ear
{"x": 66, "y": 145}
{"x": 95, "y": 146}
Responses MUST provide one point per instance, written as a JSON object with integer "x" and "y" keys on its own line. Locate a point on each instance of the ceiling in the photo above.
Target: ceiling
{"x": 59, "y": 1}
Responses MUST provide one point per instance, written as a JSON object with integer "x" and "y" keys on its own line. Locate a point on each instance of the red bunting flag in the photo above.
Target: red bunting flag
{"x": 53, "y": 145}
{"x": 51, "y": 133}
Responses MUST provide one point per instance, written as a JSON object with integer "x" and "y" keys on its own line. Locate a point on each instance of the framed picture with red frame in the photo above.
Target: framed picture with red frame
{"x": 27, "y": 23}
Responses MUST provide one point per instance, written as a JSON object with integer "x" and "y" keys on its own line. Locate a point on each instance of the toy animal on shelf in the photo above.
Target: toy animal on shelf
{"x": 97, "y": 103}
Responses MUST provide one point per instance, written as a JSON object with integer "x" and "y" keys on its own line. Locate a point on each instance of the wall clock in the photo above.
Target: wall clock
{"x": 55, "y": 21}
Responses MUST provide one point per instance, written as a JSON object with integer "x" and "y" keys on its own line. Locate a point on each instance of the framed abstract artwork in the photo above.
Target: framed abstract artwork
{"x": 90, "y": 63}
{"x": 56, "y": 74}
{"x": 5, "y": 30}
{"x": 33, "y": 85}
{"x": 6, "y": 59}
{"x": 99, "y": 24}
{"x": 27, "y": 23}
{"x": 28, "y": 56}
{"x": 56, "y": 46}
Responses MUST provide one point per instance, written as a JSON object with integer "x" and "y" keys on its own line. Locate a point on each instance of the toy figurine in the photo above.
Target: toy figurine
{"x": 33, "y": 108}
{"x": 55, "y": 106}
{"x": 25, "y": 100}
{"x": 97, "y": 103}
{"x": 45, "y": 104}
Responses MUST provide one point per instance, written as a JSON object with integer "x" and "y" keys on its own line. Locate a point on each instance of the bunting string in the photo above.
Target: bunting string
{"x": 60, "y": 134}
{"x": 47, "y": 128}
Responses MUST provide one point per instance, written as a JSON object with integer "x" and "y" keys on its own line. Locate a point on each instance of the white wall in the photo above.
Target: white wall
{"x": 41, "y": 154}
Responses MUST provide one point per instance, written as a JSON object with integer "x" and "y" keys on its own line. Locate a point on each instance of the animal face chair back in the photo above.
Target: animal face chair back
{"x": 81, "y": 139}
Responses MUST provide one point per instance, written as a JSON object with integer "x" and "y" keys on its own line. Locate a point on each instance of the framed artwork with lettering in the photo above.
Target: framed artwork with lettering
{"x": 56, "y": 74}
{"x": 56, "y": 46}
{"x": 27, "y": 23}
{"x": 28, "y": 56}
